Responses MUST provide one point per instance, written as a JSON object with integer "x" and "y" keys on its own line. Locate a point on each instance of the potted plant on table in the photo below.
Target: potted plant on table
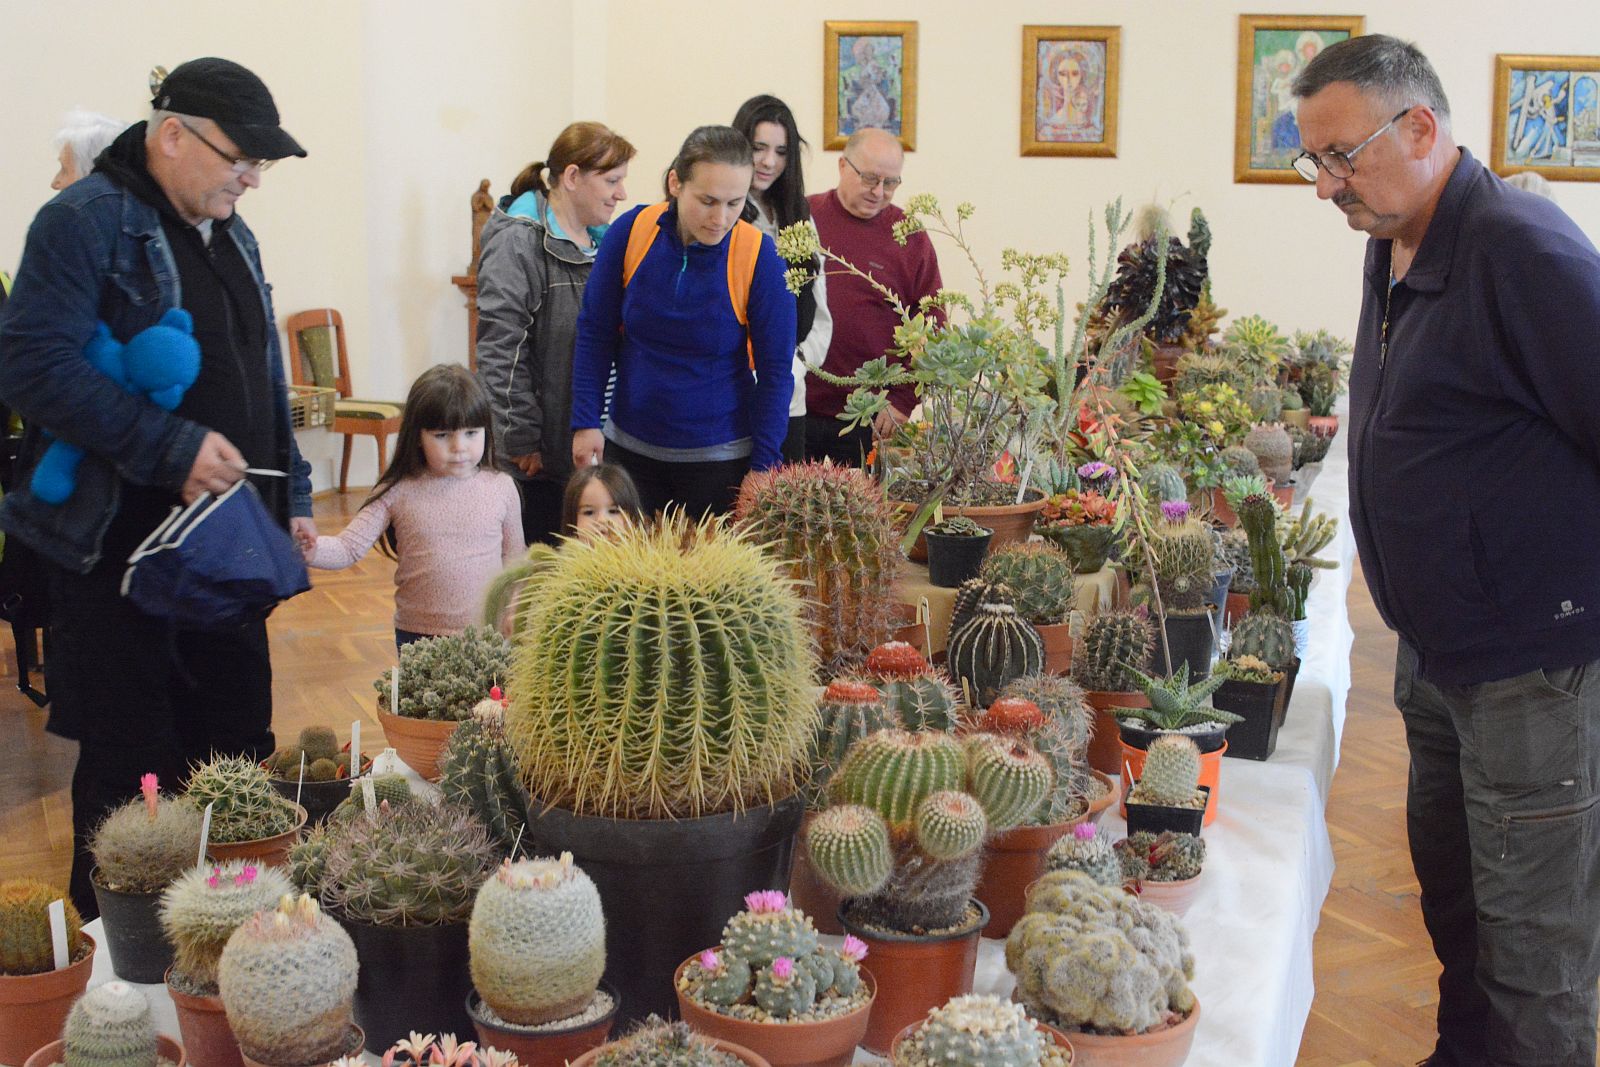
{"x": 1183, "y": 566}
{"x": 479, "y": 771}
{"x": 656, "y": 1041}
{"x": 139, "y": 849}
{"x": 34, "y": 993}
{"x": 425, "y": 1050}
{"x": 1082, "y": 524}
{"x": 1253, "y": 690}
{"x": 314, "y": 772}
{"x": 956, "y": 548}
{"x": 1110, "y": 640}
{"x": 441, "y": 680}
{"x": 1322, "y": 361}
{"x": 973, "y": 1030}
{"x": 249, "y": 819}
{"x": 1040, "y": 577}
{"x": 1163, "y": 868}
{"x": 1167, "y": 794}
{"x": 109, "y": 1026}
{"x": 1176, "y": 707}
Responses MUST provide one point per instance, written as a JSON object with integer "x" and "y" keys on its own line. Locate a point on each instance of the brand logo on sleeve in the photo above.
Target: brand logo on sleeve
{"x": 1568, "y": 610}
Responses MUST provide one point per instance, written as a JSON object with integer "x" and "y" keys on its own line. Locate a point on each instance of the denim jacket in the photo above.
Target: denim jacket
{"x": 97, "y": 253}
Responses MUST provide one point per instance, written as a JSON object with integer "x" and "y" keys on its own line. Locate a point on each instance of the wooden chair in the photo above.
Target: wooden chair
{"x": 318, "y": 356}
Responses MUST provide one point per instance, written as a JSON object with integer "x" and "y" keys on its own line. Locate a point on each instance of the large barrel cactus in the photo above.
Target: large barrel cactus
{"x": 662, "y": 672}
{"x": 992, "y": 649}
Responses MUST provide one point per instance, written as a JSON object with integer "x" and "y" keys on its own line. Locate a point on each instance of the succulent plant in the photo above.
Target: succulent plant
{"x": 424, "y": 1050}
{"x": 319, "y": 749}
{"x": 1085, "y": 849}
{"x": 1289, "y": 399}
{"x": 25, "y": 943}
{"x": 993, "y": 648}
{"x": 1163, "y": 857}
{"x": 538, "y": 940}
{"x": 658, "y": 1043}
{"x": 1115, "y": 645}
{"x": 975, "y": 592}
{"x": 1236, "y": 487}
{"x": 287, "y": 977}
{"x": 1171, "y": 775}
{"x": 1197, "y": 369}
{"x": 244, "y": 806}
{"x": 851, "y": 842}
{"x": 1240, "y": 462}
{"x": 1273, "y": 451}
{"x": 1308, "y": 447}
{"x": 1092, "y": 956}
{"x": 610, "y": 712}
{"x": 835, "y": 531}
{"x": 1256, "y": 345}
{"x": 1266, "y": 636}
{"x": 1258, "y": 517}
{"x": 1039, "y": 576}
{"x": 1320, "y": 386}
{"x": 1184, "y": 561}
{"x": 891, "y": 772}
{"x": 1233, "y": 552}
{"x": 1163, "y": 481}
{"x": 977, "y": 1031}
{"x": 442, "y": 678}
{"x": 1249, "y": 669}
{"x": 147, "y": 842}
{"x": 110, "y": 1026}
{"x": 202, "y": 909}
{"x": 770, "y": 953}
{"x": 1134, "y": 287}
{"x": 1174, "y": 703}
{"x": 479, "y": 771}
{"x": 1266, "y": 402}
{"x": 1061, "y": 737}
{"x": 849, "y": 710}
{"x": 959, "y": 526}
{"x": 915, "y": 695}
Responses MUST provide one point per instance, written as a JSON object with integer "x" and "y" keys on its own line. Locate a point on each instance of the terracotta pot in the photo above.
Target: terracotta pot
{"x": 1061, "y": 1041}
{"x": 1164, "y": 361}
{"x": 1220, "y": 509}
{"x": 903, "y": 617}
{"x": 1164, "y": 1048}
{"x": 33, "y": 1006}
{"x": 825, "y": 1043}
{"x": 544, "y": 1048}
{"x": 1011, "y": 523}
{"x": 1300, "y": 417}
{"x": 417, "y": 741}
{"x": 270, "y": 851}
{"x": 1105, "y": 743}
{"x": 355, "y": 1045}
{"x": 807, "y": 889}
{"x": 1210, "y": 775}
{"x": 914, "y": 973}
{"x": 204, "y": 1026}
{"x": 1238, "y": 606}
{"x": 1013, "y": 860}
{"x": 1283, "y": 494}
{"x": 1323, "y": 425}
{"x": 1171, "y": 896}
{"x": 55, "y": 1052}
{"x": 748, "y": 1058}
{"x": 1057, "y": 640}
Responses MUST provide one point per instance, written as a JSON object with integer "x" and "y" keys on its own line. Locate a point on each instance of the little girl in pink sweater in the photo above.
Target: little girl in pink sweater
{"x": 456, "y": 520}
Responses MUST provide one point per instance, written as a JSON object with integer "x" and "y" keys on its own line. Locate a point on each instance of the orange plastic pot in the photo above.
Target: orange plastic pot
{"x": 1210, "y": 776}
{"x": 1105, "y": 741}
{"x": 914, "y": 973}
{"x": 1160, "y": 1048}
{"x": 33, "y": 1006}
{"x": 823, "y": 1043}
{"x": 270, "y": 851}
{"x": 1061, "y": 1041}
{"x": 55, "y": 1052}
{"x": 417, "y": 741}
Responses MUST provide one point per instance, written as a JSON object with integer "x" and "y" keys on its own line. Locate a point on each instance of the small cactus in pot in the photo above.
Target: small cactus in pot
{"x": 1039, "y": 576}
{"x": 1086, "y": 849}
{"x": 978, "y": 1031}
{"x": 143, "y": 845}
{"x": 25, "y": 943}
{"x": 915, "y": 695}
{"x": 537, "y": 940}
{"x": 1171, "y": 775}
{"x": 202, "y": 909}
{"x": 992, "y": 649}
{"x": 658, "y": 1043}
{"x": 110, "y": 1026}
{"x": 244, "y": 806}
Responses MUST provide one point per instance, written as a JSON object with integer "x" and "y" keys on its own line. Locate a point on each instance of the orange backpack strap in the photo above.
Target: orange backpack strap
{"x": 743, "y": 248}
{"x": 646, "y": 224}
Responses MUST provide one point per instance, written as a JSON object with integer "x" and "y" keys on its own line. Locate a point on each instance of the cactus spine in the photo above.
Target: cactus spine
{"x": 479, "y": 771}
{"x": 1266, "y": 636}
{"x": 244, "y": 806}
{"x": 1184, "y": 563}
{"x": 110, "y": 1026}
{"x": 202, "y": 909}
{"x": 849, "y": 711}
{"x": 1112, "y": 642}
{"x": 538, "y": 940}
{"x": 1040, "y": 577}
{"x": 146, "y": 843}
{"x": 770, "y": 953}
{"x": 993, "y": 648}
{"x": 25, "y": 945}
{"x": 1171, "y": 776}
{"x": 974, "y": 593}
{"x": 1086, "y": 849}
{"x": 1008, "y": 778}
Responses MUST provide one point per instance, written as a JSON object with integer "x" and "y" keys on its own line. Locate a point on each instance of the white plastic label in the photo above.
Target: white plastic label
{"x": 369, "y": 797}
{"x": 355, "y": 749}
{"x": 58, "y": 932}
{"x": 205, "y": 835}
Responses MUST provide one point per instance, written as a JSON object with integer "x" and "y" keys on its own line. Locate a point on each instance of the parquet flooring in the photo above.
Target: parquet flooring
{"x": 1375, "y": 973}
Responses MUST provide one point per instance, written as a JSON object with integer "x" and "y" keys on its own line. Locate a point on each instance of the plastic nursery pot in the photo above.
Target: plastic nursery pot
{"x": 1284, "y": 494}
{"x": 1057, "y": 640}
{"x": 1286, "y": 694}
{"x": 1158, "y": 818}
{"x": 1257, "y": 736}
{"x": 1217, "y": 600}
{"x": 1169, "y": 896}
{"x": 1153, "y": 1048}
{"x": 411, "y": 978}
{"x": 33, "y": 1006}
{"x": 807, "y": 889}
{"x": 1323, "y": 425}
{"x": 552, "y": 1045}
{"x": 55, "y": 1052}
{"x": 1061, "y": 1041}
{"x": 1015, "y": 859}
{"x": 1210, "y": 776}
{"x": 1238, "y": 607}
{"x": 270, "y": 851}
{"x": 1011, "y": 523}
{"x": 207, "y": 1038}
{"x": 822, "y": 1043}
{"x": 746, "y": 1056}
{"x": 952, "y": 559}
{"x": 668, "y": 885}
{"x": 1190, "y": 640}
{"x": 1105, "y": 742}
{"x": 318, "y": 798}
{"x": 913, "y": 973}
{"x": 419, "y": 742}
{"x": 139, "y": 949}
{"x": 355, "y": 1044}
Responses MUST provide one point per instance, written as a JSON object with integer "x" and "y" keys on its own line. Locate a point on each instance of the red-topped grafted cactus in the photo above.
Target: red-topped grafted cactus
{"x": 1011, "y": 715}
{"x": 849, "y": 710}
{"x": 896, "y": 659}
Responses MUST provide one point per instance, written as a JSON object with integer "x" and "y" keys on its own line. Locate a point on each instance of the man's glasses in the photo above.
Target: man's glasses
{"x": 1339, "y": 164}
{"x": 240, "y": 164}
{"x": 872, "y": 181}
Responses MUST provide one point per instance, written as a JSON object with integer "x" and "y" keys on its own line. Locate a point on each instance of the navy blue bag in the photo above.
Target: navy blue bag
{"x": 219, "y": 562}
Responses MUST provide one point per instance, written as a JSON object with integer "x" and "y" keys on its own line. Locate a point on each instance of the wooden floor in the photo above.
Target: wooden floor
{"x": 1375, "y": 973}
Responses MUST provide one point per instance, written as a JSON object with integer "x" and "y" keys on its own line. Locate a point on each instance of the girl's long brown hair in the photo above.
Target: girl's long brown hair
{"x": 444, "y": 397}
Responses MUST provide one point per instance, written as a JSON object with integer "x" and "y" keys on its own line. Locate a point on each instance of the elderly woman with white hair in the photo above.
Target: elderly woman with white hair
{"x": 82, "y": 137}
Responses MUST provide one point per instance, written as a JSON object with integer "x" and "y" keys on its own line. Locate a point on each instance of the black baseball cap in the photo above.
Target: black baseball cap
{"x": 232, "y": 97}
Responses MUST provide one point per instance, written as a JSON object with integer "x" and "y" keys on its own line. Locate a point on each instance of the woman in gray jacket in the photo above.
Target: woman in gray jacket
{"x": 537, "y": 250}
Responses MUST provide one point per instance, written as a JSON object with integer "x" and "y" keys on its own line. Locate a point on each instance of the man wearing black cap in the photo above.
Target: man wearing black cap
{"x": 152, "y": 228}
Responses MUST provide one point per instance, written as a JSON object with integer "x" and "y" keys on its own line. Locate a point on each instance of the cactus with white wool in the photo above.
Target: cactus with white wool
{"x": 537, "y": 940}
{"x": 110, "y": 1026}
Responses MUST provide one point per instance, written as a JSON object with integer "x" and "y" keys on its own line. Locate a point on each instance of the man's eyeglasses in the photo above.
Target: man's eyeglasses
{"x": 872, "y": 181}
{"x": 1339, "y": 164}
{"x": 240, "y": 164}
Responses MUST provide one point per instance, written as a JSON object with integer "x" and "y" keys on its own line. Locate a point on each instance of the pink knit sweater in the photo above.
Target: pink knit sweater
{"x": 454, "y": 535}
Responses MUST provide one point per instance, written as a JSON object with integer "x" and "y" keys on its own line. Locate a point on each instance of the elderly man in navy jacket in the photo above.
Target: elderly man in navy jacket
{"x": 1475, "y": 489}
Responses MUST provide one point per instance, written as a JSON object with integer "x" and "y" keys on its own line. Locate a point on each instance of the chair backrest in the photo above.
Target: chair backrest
{"x": 317, "y": 353}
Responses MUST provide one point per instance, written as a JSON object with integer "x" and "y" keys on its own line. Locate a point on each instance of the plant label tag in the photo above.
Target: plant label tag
{"x": 205, "y": 835}
{"x": 301, "y": 784}
{"x": 58, "y": 932}
{"x": 1022, "y": 483}
{"x": 369, "y": 798}
{"x": 355, "y": 748}
{"x": 394, "y": 690}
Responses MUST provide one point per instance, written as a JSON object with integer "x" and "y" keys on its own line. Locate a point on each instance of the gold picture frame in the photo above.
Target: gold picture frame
{"x": 1546, "y": 117}
{"x": 1272, "y": 50}
{"x": 874, "y": 83}
{"x": 1063, "y": 116}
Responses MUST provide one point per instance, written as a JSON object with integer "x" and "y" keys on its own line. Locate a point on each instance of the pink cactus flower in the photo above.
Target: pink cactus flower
{"x": 496, "y": 693}
{"x": 783, "y": 968}
{"x": 1174, "y": 510}
{"x": 1083, "y": 831}
{"x": 216, "y": 877}
{"x": 854, "y": 948}
{"x": 246, "y": 876}
{"x": 149, "y": 787}
{"x": 766, "y": 900}
{"x": 709, "y": 960}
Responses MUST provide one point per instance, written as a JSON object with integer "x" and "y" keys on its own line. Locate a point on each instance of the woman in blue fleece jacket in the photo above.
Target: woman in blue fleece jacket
{"x": 689, "y": 419}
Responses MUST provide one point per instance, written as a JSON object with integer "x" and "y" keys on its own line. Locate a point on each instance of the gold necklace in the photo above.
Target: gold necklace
{"x": 1383, "y": 335}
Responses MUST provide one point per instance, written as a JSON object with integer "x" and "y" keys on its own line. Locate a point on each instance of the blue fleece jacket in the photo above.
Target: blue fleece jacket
{"x": 683, "y": 371}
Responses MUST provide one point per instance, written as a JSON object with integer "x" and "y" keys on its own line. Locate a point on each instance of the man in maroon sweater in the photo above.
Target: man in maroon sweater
{"x": 856, "y": 222}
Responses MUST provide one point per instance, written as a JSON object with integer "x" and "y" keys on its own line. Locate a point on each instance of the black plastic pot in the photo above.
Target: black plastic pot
{"x": 1281, "y": 711}
{"x": 139, "y": 949}
{"x": 1190, "y": 639}
{"x": 1154, "y": 818}
{"x": 668, "y": 886}
{"x": 1218, "y": 599}
{"x": 954, "y": 559}
{"x": 1138, "y": 734}
{"x": 1257, "y": 737}
{"x": 411, "y": 978}
{"x": 318, "y": 798}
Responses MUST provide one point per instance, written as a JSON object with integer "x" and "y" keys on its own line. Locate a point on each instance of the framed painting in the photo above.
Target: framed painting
{"x": 1547, "y": 117}
{"x": 1273, "y": 49}
{"x": 869, "y": 79}
{"x": 1069, "y": 90}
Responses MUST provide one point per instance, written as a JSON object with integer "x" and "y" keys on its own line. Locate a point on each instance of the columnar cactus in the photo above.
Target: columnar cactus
{"x": 202, "y": 909}
{"x": 1087, "y": 955}
{"x": 1265, "y": 635}
{"x": 849, "y": 710}
{"x": 1274, "y": 451}
{"x": 1112, "y": 642}
{"x": 1086, "y": 849}
{"x": 606, "y": 717}
{"x": 110, "y": 1026}
{"x": 1040, "y": 577}
{"x": 25, "y": 944}
{"x": 993, "y": 648}
{"x": 443, "y": 678}
{"x": 479, "y": 770}
{"x": 244, "y": 806}
{"x": 979, "y": 1031}
{"x": 287, "y": 978}
{"x": 834, "y": 530}
{"x": 1184, "y": 562}
{"x": 1171, "y": 775}
{"x": 147, "y": 842}
{"x": 538, "y": 940}
{"x": 770, "y": 954}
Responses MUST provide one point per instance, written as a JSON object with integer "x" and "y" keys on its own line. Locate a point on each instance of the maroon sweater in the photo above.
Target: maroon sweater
{"x": 863, "y": 321}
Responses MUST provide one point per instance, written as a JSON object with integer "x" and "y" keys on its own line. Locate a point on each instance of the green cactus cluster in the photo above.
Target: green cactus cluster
{"x": 1308, "y": 447}
{"x": 202, "y": 909}
{"x": 1171, "y": 775}
{"x": 110, "y": 1026}
{"x": 443, "y": 678}
{"x": 320, "y": 749}
{"x": 144, "y": 844}
{"x": 767, "y": 928}
{"x": 1174, "y": 703}
{"x": 1063, "y": 740}
{"x": 1115, "y": 646}
{"x": 1273, "y": 451}
{"x": 1086, "y": 849}
{"x": 978, "y": 1031}
{"x": 922, "y": 701}
{"x": 1164, "y": 482}
{"x": 849, "y": 710}
{"x": 1289, "y": 400}
{"x": 25, "y": 944}
{"x": 1163, "y": 857}
{"x": 1267, "y": 636}
{"x": 1184, "y": 562}
{"x": 479, "y": 771}
{"x": 287, "y": 978}
{"x": 244, "y": 806}
{"x": 1198, "y": 369}
{"x": 1266, "y": 402}
{"x": 1091, "y": 956}
{"x": 662, "y": 672}
{"x": 834, "y": 530}
{"x": 658, "y": 1043}
{"x": 993, "y": 648}
{"x": 537, "y": 940}
{"x": 891, "y": 771}
{"x": 1040, "y": 577}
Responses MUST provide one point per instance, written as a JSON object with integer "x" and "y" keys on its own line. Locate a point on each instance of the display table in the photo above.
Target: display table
{"x": 1091, "y": 594}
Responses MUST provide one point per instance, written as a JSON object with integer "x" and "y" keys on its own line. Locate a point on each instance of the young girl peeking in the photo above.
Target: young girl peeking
{"x": 457, "y": 521}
